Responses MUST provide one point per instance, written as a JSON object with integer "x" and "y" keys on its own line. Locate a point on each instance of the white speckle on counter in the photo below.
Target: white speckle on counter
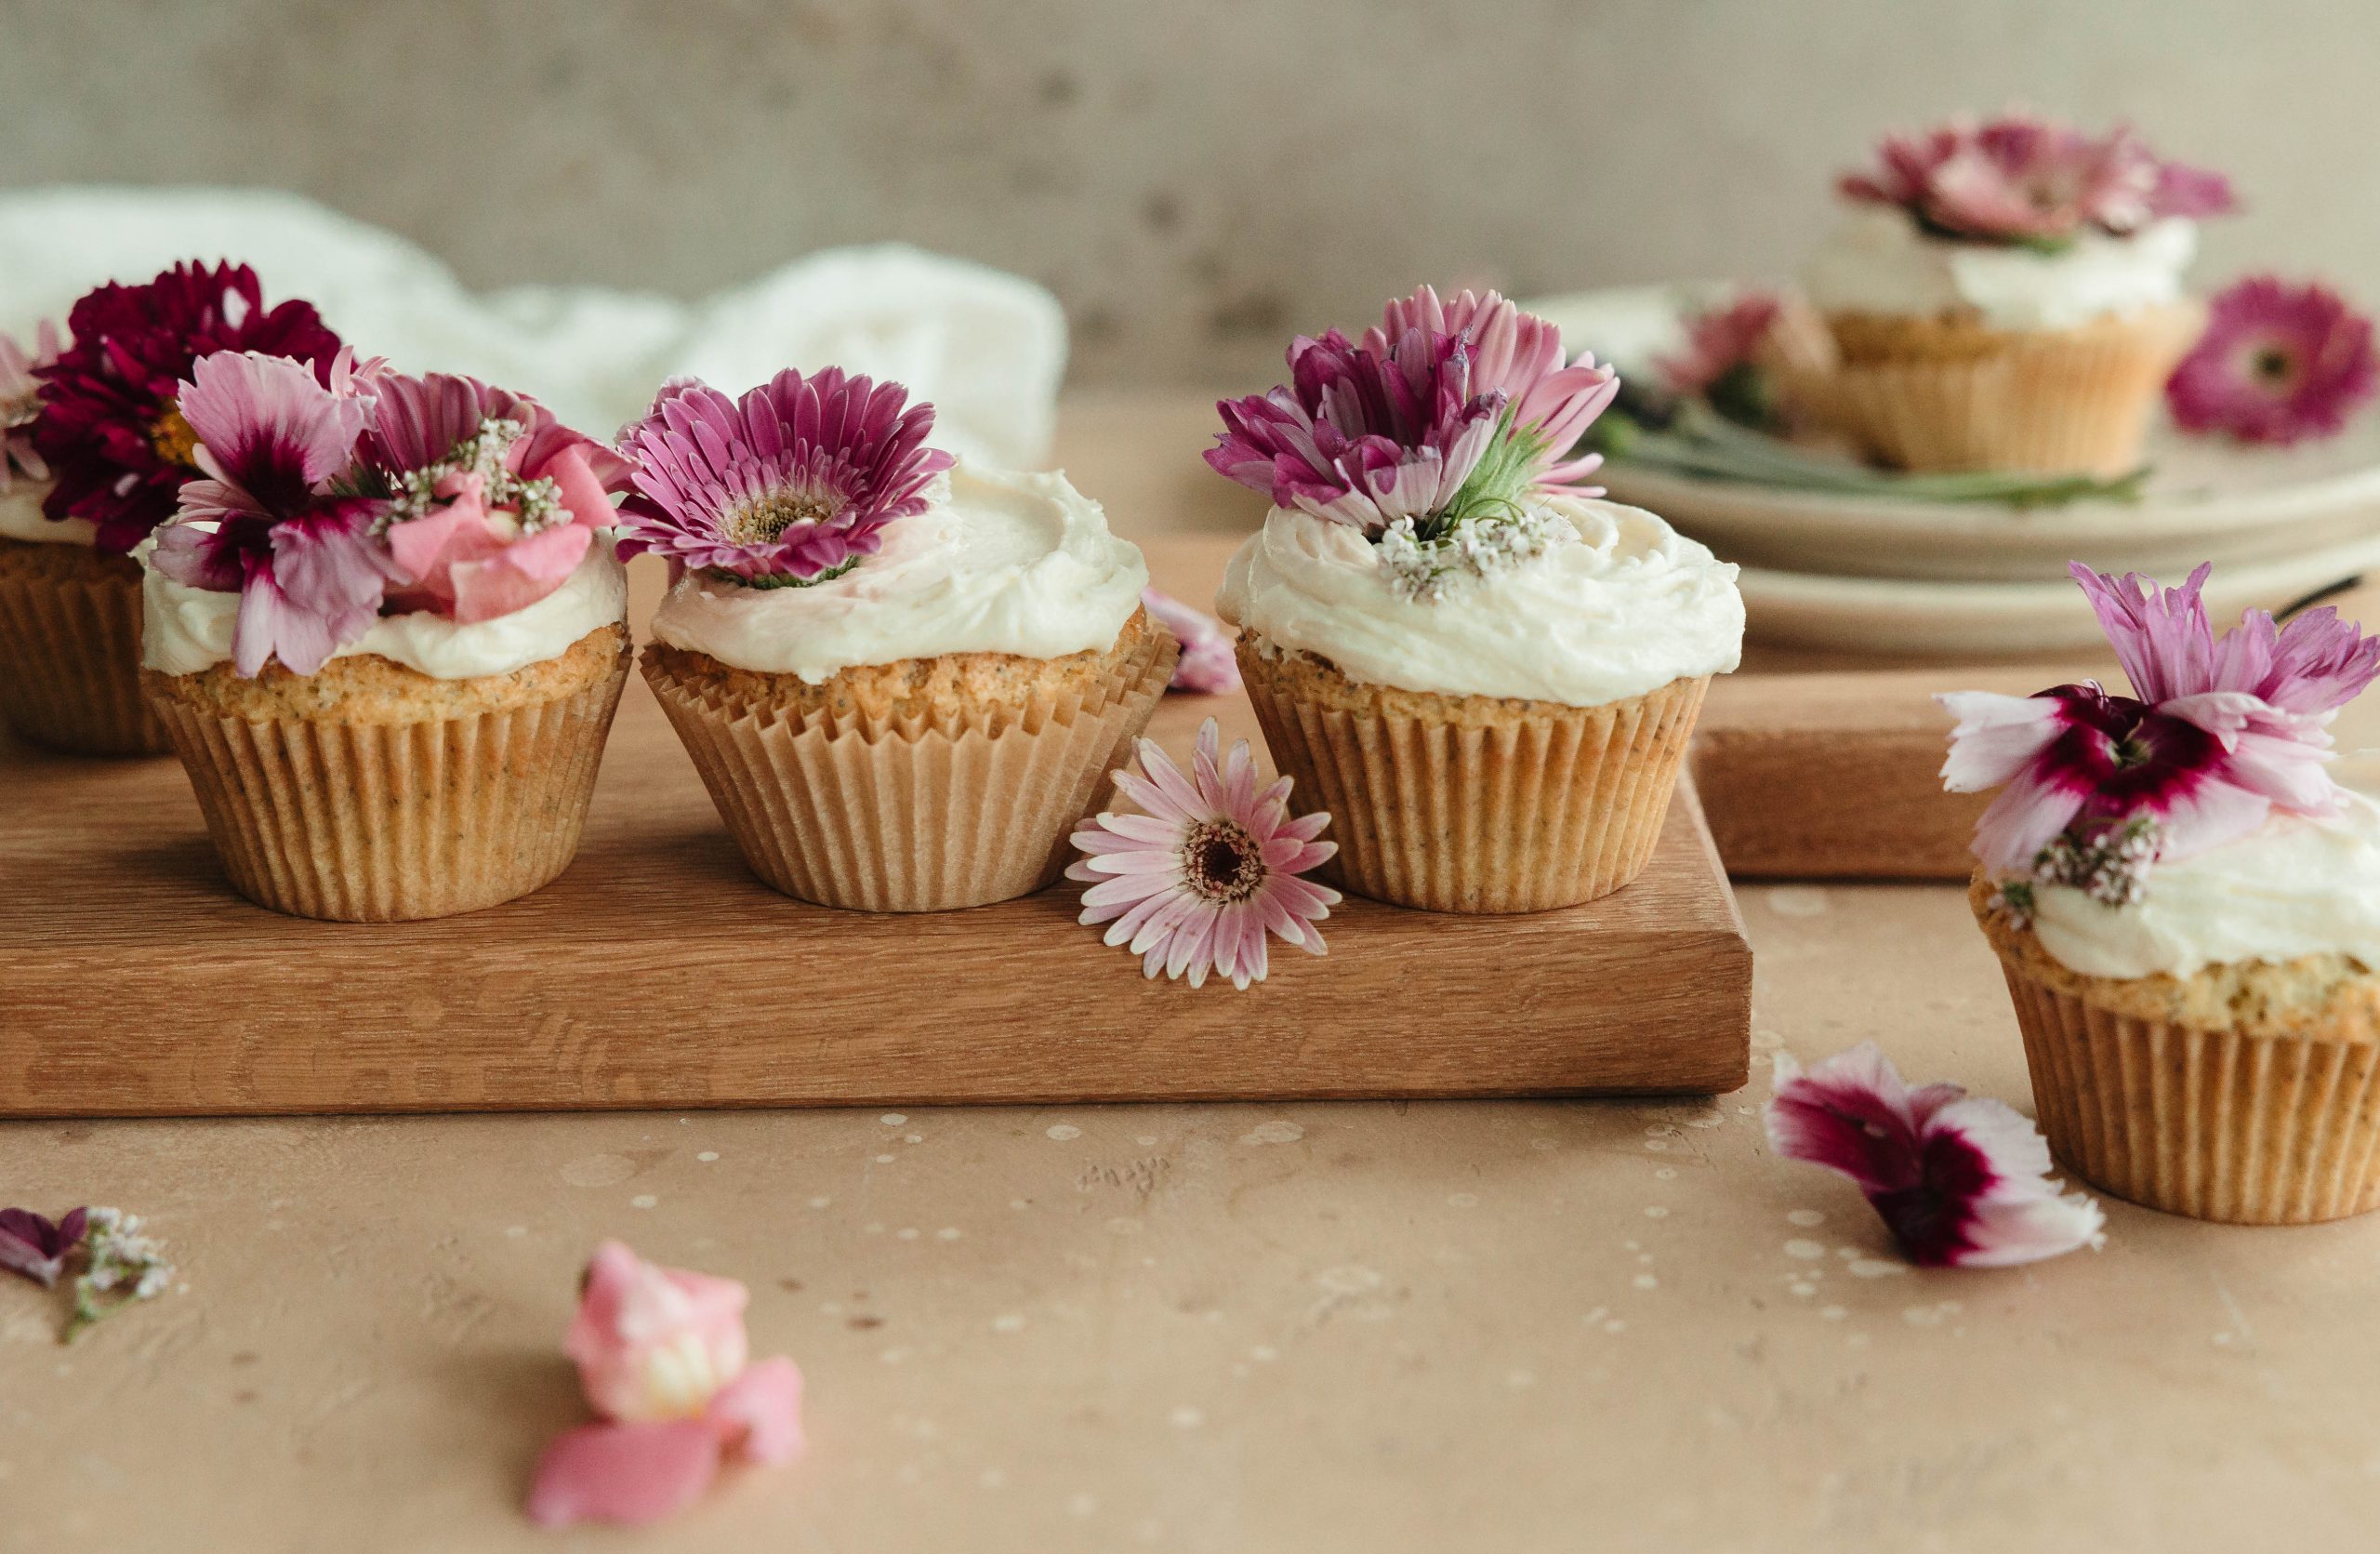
{"x": 644, "y": 1201}
{"x": 1064, "y": 1132}
{"x": 1009, "y": 1322}
{"x": 1656, "y": 1212}
{"x": 599, "y": 1170}
{"x": 894, "y": 1119}
{"x": 1797, "y": 901}
{"x": 1647, "y": 1282}
{"x": 1462, "y": 1200}
{"x": 820, "y": 1203}
{"x": 1187, "y": 1419}
{"x": 1273, "y": 1132}
{"x": 1876, "y": 1267}
{"x": 708, "y": 1156}
{"x": 1805, "y": 1218}
{"x": 1797, "y": 1247}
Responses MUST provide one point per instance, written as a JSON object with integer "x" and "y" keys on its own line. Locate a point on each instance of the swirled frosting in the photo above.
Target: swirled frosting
{"x": 1878, "y": 262}
{"x": 2293, "y": 886}
{"x": 185, "y": 629}
{"x": 1001, "y": 562}
{"x": 21, "y": 517}
{"x": 1620, "y": 605}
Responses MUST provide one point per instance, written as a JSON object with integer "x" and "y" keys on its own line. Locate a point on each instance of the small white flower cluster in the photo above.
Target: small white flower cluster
{"x": 121, "y": 1265}
{"x": 1423, "y": 570}
{"x": 2111, "y": 868}
{"x": 537, "y": 503}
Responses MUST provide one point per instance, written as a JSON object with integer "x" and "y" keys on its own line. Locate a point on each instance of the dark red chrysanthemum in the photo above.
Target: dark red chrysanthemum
{"x": 109, "y": 428}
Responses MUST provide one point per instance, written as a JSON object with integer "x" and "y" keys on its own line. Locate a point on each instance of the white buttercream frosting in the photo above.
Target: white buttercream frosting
{"x": 1000, "y": 562}
{"x": 185, "y": 629}
{"x": 1618, "y": 604}
{"x": 2293, "y": 886}
{"x": 1879, "y": 262}
{"x": 21, "y": 518}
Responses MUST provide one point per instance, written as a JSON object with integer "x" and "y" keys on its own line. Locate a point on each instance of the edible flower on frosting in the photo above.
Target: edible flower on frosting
{"x": 113, "y": 427}
{"x": 2032, "y": 182}
{"x": 2278, "y": 363}
{"x": 21, "y": 403}
{"x": 2216, "y": 736}
{"x": 663, "y": 1358}
{"x": 788, "y": 485}
{"x": 327, "y": 504}
{"x": 1207, "y": 666}
{"x": 1960, "y": 1180}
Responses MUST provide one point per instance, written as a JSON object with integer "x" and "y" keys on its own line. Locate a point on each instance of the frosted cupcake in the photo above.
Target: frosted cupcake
{"x": 1488, "y": 676}
{"x": 109, "y": 452}
{"x": 2187, "y": 909}
{"x": 2009, "y": 296}
{"x": 903, "y": 683}
{"x": 386, "y": 635}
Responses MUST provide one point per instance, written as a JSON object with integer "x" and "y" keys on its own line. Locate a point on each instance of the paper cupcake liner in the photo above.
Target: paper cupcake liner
{"x": 913, "y": 815}
{"x": 2249, "y": 1130}
{"x": 2059, "y": 402}
{"x": 1540, "y": 813}
{"x": 69, "y": 664}
{"x": 386, "y": 822}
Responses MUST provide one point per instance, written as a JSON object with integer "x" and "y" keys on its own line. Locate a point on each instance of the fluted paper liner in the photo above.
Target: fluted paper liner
{"x": 386, "y": 822}
{"x": 914, "y": 814}
{"x": 2249, "y": 1130}
{"x": 2057, "y": 402}
{"x": 1524, "y": 817}
{"x": 69, "y": 664}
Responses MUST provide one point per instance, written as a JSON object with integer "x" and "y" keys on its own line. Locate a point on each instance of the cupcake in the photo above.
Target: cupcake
{"x": 386, "y": 636}
{"x": 903, "y": 682}
{"x": 2008, "y": 296}
{"x": 107, "y": 451}
{"x": 2186, "y": 908}
{"x": 1485, "y": 674}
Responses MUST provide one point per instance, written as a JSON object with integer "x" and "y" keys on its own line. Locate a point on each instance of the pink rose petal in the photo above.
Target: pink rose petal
{"x": 760, "y": 1411}
{"x": 581, "y": 492}
{"x": 520, "y": 574}
{"x": 628, "y": 1474}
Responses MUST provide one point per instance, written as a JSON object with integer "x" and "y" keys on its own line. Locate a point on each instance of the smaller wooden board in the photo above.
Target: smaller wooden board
{"x": 657, "y": 972}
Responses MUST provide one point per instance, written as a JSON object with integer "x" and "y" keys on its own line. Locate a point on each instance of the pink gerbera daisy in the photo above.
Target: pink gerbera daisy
{"x": 21, "y": 404}
{"x": 1197, "y": 882}
{"x": 1960, "y": 1181}
{"x": 787, "y": 486}
{"x": 2278, "y": 363}
{"x": 2217, "y": 735}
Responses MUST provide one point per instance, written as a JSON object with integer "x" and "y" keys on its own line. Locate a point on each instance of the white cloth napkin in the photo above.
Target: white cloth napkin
{"x": 988, "y": 348}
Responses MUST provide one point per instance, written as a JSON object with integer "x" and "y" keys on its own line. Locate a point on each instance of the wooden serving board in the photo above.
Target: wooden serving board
{"x": 658, "y": 973}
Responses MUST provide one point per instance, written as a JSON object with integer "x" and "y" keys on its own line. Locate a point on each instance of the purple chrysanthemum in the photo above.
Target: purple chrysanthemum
{"x": 1960, "y": 1181}
{"x": 1440, "y": 410}
{"x": 2278, "y": 363}
{"x": 2216, "y": 736}
{"x": 21, "y": 404}
{"x": 2018, "y": 179}
{"x": 110, "y": 427}
{"x": 788, "y": 484}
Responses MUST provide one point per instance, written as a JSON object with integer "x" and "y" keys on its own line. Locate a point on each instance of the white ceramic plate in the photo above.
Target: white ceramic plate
{"x": 2207, "y": 500}
{"x": 1879, "y": 615}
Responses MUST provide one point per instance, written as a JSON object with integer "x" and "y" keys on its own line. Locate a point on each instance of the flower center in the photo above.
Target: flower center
{"x": 2273, "y": 367}
{"x": 173, "y": 439}
{"x": 760, "y": 521}
{"x": 1223, "y": 861}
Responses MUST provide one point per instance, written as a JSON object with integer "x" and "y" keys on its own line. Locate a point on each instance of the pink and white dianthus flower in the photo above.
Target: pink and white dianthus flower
{"x": 1960, "y": 1180}
{"x": 2217, "y": 735}
{"x": 787, "y": 486}
{"x": 21, "y": 403}
{"x": 1208, "y": 666}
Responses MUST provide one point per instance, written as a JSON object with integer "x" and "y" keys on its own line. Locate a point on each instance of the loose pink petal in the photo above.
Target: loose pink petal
{"x": 654, "y": 1343}
{"x": 760, "y": 1411}
{"x": 1959, "y": 1181}
{"x": 590, "y": 504}
{"x": 628, "y": 1474}
{"x": 524, "y": 572}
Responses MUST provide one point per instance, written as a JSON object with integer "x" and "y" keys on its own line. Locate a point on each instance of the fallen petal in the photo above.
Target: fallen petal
{"x": 760, "y": 1411}
{"x": 628, "y": 1474}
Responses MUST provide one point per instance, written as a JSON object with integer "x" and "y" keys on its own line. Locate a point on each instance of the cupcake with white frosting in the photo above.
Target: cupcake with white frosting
{"x": 2008, "y": 295}
{"x": 387, "y": 634}
{"x": 1488, "y": 676}
{"x": 2187, "y": 909}
{"x": 903, "y": 683}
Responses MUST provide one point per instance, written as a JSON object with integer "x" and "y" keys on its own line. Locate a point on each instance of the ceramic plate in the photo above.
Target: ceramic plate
{"x": 2206, "y": 500}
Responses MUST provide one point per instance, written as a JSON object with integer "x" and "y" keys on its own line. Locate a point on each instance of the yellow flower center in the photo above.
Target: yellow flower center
{"x": 760, "y": 521}
{"x": 173, "y": 439}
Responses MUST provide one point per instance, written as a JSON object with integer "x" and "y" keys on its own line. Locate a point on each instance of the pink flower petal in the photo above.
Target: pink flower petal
{"x": 762, "y": 1411}
{"x": 626, "y": 1474}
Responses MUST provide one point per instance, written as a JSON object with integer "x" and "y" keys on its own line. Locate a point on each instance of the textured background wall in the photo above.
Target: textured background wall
{"x": 1194, "y": 178}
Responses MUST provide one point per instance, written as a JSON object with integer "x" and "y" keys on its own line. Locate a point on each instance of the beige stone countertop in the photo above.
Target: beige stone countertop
{"x": 1221, "y": 1329}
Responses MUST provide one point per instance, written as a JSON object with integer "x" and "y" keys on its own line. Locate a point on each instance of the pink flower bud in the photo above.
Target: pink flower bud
{"x": 654, "y": 1343}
